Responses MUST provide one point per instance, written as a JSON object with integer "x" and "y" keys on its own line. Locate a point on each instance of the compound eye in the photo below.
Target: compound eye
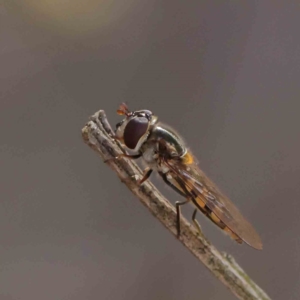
{"x": 148, "y": 113}
{"x": 134, "y": 131}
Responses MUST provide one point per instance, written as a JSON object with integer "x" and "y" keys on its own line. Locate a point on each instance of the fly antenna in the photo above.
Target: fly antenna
{"x": 123, "y": 110}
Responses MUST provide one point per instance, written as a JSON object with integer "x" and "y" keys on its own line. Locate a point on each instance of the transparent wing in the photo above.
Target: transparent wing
{"x": 206, "y": 195}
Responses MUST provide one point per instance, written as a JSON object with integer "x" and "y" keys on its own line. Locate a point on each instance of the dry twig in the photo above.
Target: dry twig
{"x": 98, "y": 135}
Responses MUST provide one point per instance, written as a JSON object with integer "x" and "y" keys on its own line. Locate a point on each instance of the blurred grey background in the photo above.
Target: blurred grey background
{"x": 225, "y": 74}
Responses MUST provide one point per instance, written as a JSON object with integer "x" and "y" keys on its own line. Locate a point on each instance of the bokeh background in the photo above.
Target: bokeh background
{"x": 225, "y": 74}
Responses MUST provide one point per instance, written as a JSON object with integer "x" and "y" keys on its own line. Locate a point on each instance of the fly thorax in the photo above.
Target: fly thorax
{"x": 149, "y": 151}
{"x": 171, "y": 140}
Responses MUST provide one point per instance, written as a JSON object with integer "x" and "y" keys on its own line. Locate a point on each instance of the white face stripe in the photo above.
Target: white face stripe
{"x": 120, "y": 130}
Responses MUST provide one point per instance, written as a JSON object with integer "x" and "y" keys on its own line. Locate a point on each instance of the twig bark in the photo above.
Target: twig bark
{"x": 97, "y": 133}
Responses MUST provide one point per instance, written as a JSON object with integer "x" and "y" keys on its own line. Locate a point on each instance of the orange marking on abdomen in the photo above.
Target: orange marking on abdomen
{"x": 233, "y": 235}
{"x": 188, "y": 158}
{"x": 219, "y": 223}
{"x": 200, "y": 202}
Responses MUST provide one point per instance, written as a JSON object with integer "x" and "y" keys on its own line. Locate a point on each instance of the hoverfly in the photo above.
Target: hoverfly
{"x": 163, "y": 150}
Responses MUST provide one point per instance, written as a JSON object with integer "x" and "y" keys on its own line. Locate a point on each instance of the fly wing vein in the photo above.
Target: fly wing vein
{"x": 217, "y": 202}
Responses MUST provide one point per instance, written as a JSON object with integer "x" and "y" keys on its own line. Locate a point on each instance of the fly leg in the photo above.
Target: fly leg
{"x": 146, "y": 174}
{"x": 180, "y": 190}
{"x": 178, "y": 213}
{"x": 134, "y": 156}
{"x": 129, "y": 156}
{"x": 166, "y": 180}
{"x": 196, "y": 223}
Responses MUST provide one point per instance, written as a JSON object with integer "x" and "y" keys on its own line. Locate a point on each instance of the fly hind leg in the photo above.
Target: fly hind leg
{"x": 196, "y": 223}
{"x": 180, "y": 189}
{"x": 178, "y": 214}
